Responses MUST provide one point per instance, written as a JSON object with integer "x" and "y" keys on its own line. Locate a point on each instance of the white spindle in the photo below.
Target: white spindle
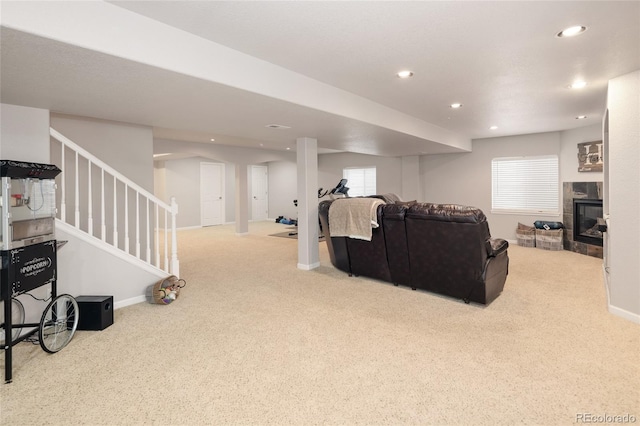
{"x": 115, "y": 212}
{"x": 89, "y": 202}
{"x": 148, "y": 225}
{"x": 103, "y": 227}
{"x": 63, "y": 201}
{"x": 166, "y": 243}
{"x": 138, "y": 225}
{"x": 171, "y": 262}
{"x": 126, "y": 218}
{"x": 157, "y": 242}
{"x": 77, "y": 199}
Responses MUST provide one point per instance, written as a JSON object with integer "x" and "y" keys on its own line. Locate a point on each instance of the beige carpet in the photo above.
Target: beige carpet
{"x": 253, "y": 340}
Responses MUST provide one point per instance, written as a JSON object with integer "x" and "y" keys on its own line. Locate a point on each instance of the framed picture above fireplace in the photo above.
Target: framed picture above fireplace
{"x": 590, "y": 156}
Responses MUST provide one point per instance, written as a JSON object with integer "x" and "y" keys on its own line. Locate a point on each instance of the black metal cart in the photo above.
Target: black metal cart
{"x": 29, "y": 259}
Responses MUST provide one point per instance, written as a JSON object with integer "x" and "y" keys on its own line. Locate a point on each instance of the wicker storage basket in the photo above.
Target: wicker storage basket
{"x": 526, "y": 235}
{"x": 166, "y": 290}
{"x": 549, "y": 240}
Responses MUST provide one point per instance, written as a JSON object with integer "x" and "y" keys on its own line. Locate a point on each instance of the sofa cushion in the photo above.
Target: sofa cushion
{"x": 394, "y": 212}
{"x": 406, "y": 203}
{"x": 446, "y": 213}
{"x": 388, "y": 198}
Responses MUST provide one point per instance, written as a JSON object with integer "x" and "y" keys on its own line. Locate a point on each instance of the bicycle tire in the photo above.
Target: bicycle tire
{"x": 17, "y": 313}
{"x": 58, "y": 323}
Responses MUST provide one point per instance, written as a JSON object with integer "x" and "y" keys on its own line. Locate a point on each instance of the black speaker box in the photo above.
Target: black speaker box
{"x": 96, "y": 312}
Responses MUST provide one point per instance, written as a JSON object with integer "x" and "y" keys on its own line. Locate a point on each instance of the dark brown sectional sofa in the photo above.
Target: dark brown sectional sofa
{"x": 442, "y": 248}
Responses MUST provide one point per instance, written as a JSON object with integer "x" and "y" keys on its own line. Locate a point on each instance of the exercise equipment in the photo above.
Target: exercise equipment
{"x": 340, "y": 189}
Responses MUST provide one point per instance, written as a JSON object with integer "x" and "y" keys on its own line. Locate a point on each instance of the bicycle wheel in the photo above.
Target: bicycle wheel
{"x": 58, "y": 324}
{"x": 17, "y": 317}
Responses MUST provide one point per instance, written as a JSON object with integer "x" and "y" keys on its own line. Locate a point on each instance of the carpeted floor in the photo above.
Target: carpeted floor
{"x": 254, "y": 340}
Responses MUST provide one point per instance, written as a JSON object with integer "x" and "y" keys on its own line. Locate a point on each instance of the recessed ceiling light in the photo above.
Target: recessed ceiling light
{"x": 581, "y": 117}
{"x": 493, "y": 128}
{"x": 277, "y": 126}
{"x": 288, "y": 148}
{"x": 213, "y": 140}
{"x": 572, "y": 31}
{"x": 455, "y": 106}
{"x": 578, "y": 84}
{"x": 261, "y": 144}
{"x": 161, "y": 155}
{"x": 405, "y": 74}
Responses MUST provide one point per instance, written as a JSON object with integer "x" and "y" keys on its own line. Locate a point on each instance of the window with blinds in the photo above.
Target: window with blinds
{"x": 361, "y": 181}
{"x": 525, "y": 185}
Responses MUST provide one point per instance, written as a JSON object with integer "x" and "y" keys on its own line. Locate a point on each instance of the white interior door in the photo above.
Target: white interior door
{"x": 211, "y": 193}
{"x": 259, "y": 193}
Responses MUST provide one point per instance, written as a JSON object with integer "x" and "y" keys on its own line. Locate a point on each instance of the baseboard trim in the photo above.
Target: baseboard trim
{"x": 241, "y": 234}
{"x": 129, "y": 302}
{"x": 185, "y": 228}
{"x": 635, "y": 318}
{"x": 306, "y": 267}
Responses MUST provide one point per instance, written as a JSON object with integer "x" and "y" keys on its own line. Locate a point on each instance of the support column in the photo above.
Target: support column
{"x": 242, "y": 199}
{"x": 307, "y": 159}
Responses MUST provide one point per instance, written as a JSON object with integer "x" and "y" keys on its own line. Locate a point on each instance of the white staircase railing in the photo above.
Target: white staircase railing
{"x": 105, "y": 203}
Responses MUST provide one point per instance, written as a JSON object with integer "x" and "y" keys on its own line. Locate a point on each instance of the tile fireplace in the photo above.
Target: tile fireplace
{"x": 585, "y": 221}
{"x": 582, "y": 206}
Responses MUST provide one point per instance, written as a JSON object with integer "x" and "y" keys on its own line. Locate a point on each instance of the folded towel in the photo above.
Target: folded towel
{"x": 354, "y": 217}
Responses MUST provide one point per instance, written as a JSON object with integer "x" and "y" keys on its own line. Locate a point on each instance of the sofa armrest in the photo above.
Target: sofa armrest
{"x": 495, "y": 246}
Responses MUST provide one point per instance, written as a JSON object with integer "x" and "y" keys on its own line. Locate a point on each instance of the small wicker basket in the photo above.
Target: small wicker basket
{"x": 526, "y": 235}
{"x": 549, "y": 239}
{"x": 166, "y": 290}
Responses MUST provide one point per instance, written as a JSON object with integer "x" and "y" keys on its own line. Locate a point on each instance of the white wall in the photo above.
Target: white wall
{"x": 82, "y": 268}
{"x": 24, "y": 134}
{"x": 411, "y": 184}
{"x": 283, "y": 189}
{"x": 466, "y": 178}
{"x": 283, "y": 178}
{"x": 388, "y": 170}
{"x": 232, "y": 157}
{"x": 126, "y": 147}
{"x": 181, "y": 179}
{"x": 159, "y": 180}
{"x": 569, "y": 140}
{"x": 86, "y": 269}
{"x": 623, "y": 103}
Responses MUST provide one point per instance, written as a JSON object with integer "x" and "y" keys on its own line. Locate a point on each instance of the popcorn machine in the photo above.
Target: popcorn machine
{"x": 29, "y": 254}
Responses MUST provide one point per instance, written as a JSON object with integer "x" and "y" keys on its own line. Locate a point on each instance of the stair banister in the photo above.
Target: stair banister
{"x": 151, "y": 225}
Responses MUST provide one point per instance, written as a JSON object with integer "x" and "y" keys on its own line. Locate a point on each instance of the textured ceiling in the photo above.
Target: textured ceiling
{"x": 501, "y": 60}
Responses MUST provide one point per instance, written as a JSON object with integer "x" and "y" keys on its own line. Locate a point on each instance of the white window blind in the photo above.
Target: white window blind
{"x": 525, "y": 185}
{"x": 360, "y": 181}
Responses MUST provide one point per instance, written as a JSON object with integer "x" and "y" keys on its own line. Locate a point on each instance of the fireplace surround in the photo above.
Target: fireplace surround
{"x": 585, "y": 221}
{"x": 589, "y": 197}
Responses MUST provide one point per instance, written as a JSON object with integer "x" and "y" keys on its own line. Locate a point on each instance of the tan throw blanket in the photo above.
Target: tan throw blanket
{"x": 353, "y": 217}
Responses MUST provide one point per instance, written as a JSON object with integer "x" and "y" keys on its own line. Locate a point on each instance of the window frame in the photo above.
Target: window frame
{"x": 346, "y": 170}
{"x": 549, "y": 178}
